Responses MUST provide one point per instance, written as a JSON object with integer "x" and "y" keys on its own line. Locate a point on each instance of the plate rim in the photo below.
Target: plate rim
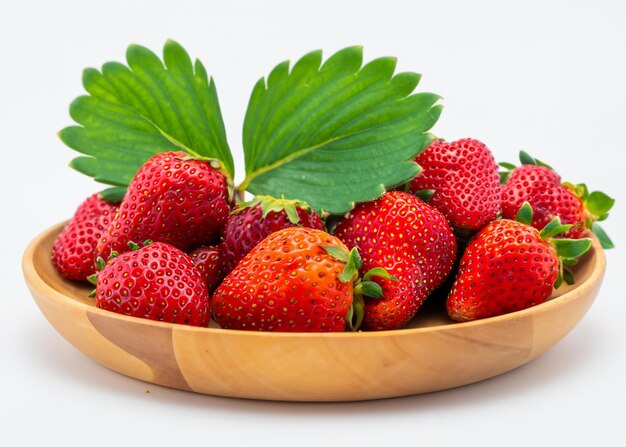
{"x": 35, "y": 281}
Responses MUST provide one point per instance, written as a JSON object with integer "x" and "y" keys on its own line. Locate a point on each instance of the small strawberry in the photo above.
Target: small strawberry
{"x": 463, "y": 179}
{"x": 74, "y": 250}
{"x": 510, "y": 265}
{"x": 157, "y": 282}
{"x": 173, "y": 199}
{"x": 209, "y": 261}
{"x": 412, "y": 241}
{"x": 251, "y": 222}
{"x": 538, "y": 184}
{"x": 296, "y": 280}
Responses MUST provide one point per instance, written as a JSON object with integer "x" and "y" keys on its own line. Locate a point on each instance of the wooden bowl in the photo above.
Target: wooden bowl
{"x": 432, "y": 354}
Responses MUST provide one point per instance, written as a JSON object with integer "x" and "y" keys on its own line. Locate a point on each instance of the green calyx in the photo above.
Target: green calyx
{"x": 113, "y": 195}
{"x": 269, "y": 204}
{"x": 362, "y": 287}
{"x": 567, "y": 250}
{"x": 101, "y": 263}
{"x": 425, "y": 194}
{"x": 598, "y": 205}
{"x": 525, "y": 214}
{"x": 526, "y": 159}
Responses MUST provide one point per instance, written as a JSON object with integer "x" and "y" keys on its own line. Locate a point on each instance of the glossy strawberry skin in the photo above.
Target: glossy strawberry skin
{"x": 157, "y": 282}
{"x": 287, "y": 283}
{"x": 506, "y": 267}
{"x": 542, "y": 188}
{"x": 209, "y": 261}
{"x": 74, "y": 250}
{"x": 171, "y": 199}
{"x": 412, "y": 241}
{"x": 464, "y": 177}
{"x": 244, "y": 230}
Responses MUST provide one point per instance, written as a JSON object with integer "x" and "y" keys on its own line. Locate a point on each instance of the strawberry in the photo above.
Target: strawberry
{"x": 251, "y": 222}
{"x": 463, "y": 179}
{"x": 412, "y": 241}
{"x": 157, "y": 282}
{"x": 539, "y": 185}
{"x": 209, "y": 261}
{"x": 510, "y": 265}
{"x": 289, "y": 282}
{"x": 73, "y": 253}
{"x": 173, "y": 199}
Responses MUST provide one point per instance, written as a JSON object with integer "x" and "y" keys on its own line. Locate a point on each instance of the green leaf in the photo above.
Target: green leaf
{"x": 559, "y": 279}
{"x": 571, "y": 248}
{"x": 335, "y": 133}
{"x": 351, "y": 270}
{"x": 370, "y": 289}
{"x": 605, "y": 240}
{"x": 505, "y": 165}
{"x": 113, "y": 195}
{"x": 525, "y": 214}
{"x": 568, "y": 276}
{"x": 356, "y": 313}
{"x": 504, "y": 176}
{"x": 337, "y": 252}
{"x": 526, "y": 159}
{"x": 553, "y": 228}
{"x": 380, "y": 272}
{"x": 93, "y": 279}
{"x": 425, "y": 194}
{"x": 598, "y": 203}
{"x": 133, "y": 112}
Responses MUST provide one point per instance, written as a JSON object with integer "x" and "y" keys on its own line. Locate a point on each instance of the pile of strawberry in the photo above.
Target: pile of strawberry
{"x": 177, "y": 248}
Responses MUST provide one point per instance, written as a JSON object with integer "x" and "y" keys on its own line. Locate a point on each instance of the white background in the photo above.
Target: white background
{"x": 548, "y": 77}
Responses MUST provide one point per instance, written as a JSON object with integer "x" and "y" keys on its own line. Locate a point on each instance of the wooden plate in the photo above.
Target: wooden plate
{"x": 432, "y": 354}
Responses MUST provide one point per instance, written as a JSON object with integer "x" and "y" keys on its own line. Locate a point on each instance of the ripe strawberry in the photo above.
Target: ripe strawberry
{"x": 253, "y": 221}
{"x": 290, "y": 283}
{"x": 209, "y": 261}
{"x": 538, "y": 184}
{"x": 412, "y": 241}
{"x": 157, "y": 282}
{"x": 463, "y": 177}
{"x": 74, "y": 250}
{"x": 509, "y": 266}
{"x": 172, "y": 199}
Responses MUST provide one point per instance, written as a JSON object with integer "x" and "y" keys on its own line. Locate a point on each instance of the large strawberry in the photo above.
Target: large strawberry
{"x": 510, "y": 265}
{"x": 157, "y": 282}
{"x": 412, "y": 241}
{"x": 74, "y": 250}
{"x": 253, "y": 221}
{"x": 296, "y": 280}
{"x": 463, "y": 179}
{"x": 173, "y": 199}
{"x": 538, "y": 184}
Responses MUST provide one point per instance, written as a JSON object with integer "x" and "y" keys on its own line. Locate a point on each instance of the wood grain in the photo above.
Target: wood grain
{"x": 433, "y": 353}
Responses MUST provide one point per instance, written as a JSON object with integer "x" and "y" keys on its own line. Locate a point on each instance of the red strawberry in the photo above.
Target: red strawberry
{"x": 538, "y": 184}
{"x": 172, "y": 199}
{"x": 463, "y": 177}
{"x": 412, "y": 241}
{"x": 290, "y": 283}
{"x": 157, "y": 282}
{"x": 509, "y": 266}
{"x": 209, "y": 261}
{"x": 74, "y": 250}
{"x": 253, "y": 221}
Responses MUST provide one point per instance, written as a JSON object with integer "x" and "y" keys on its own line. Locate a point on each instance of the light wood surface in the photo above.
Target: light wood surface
{"x": 433, "y": 353}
